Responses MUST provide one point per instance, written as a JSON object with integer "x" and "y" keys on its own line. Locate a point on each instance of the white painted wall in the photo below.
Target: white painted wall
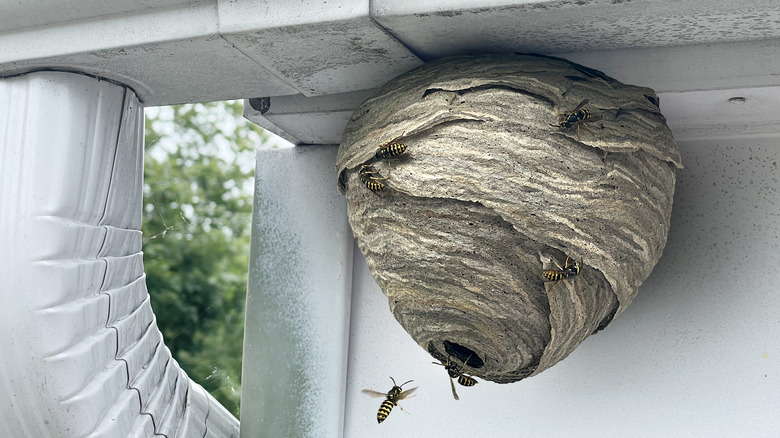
{"x": 696, "y": 354}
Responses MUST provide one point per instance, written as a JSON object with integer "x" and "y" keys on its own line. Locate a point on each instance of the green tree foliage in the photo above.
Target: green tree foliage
{"x": 197, "y": 219}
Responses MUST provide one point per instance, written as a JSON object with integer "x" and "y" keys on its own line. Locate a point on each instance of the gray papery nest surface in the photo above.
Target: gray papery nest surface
{"x": 491, "y": 190}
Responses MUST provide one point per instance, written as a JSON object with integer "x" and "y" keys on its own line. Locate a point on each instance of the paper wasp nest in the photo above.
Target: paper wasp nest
{"x": 494, "y": 187}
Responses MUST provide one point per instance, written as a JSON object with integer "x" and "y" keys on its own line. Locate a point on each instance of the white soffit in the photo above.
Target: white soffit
{"x": 167, "y": 55}
{"x": 322, "y": 47}
{"x": 688, "y": 51}
{"x": 298, "y": 53}
{"x": 208, "y": 50}
{"x": 690, "y": 115}
{"x": 442, "y": 28}
{"x": 722, "y": 113}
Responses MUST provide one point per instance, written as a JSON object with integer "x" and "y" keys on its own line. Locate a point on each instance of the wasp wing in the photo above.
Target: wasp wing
{"x": 594, "y": 118}
{"x": 577, "y": 108}
{"x": 406, "y": 393}
{"x": 373, "y": 393}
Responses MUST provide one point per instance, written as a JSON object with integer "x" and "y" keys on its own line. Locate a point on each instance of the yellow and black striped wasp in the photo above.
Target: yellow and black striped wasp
{"x": 576, "y": 117}
{"x": 391, "y": 398}
{"x": 390, "y": 150}
{"x": 570, "y": 268}
{"x": 455, "y": 371}
{"x": 371, "y": 178}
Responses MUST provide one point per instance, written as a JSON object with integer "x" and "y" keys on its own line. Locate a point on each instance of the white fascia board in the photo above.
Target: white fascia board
{"x": 33, "y": 13}
{"x": 244, "y": 16}
{"x": 145, "y": 27}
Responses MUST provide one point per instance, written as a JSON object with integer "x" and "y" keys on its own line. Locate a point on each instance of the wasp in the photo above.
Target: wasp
{"x": 576, "y": 117}
{"x": 390, "y": 150}
{"x": 371, "y": 178}
{"x": 570, "y": 268}
{"x": 391, "y": 398}
{"x": 455, "y": 371}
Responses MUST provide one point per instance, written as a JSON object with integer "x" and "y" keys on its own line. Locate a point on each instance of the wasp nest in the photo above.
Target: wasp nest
{"x": 508, "y": 205}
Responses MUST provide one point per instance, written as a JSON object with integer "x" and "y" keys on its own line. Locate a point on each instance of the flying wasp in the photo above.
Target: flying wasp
{"x": 391, "y": 398}
{"x": 576, "y": 117}
{"x": 570, "y": 268}
{"x": 455, "y": 371}
{"x": 371, "y": 178}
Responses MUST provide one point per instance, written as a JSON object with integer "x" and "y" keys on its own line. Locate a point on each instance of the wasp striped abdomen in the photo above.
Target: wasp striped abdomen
{"x": 384, "y": 410}
{"x": 553, "y": 274}
{"x": 456, "y": 372}
{"x": 467, "y": 380}
{"x": 569, "y": 269}
{"x": 374, "y": 185}
{"x": 371, "y": 178}
{"x": 390, "y": 150}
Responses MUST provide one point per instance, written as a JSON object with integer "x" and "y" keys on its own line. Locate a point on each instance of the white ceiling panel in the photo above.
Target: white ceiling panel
{"x": 297, "y": 53}
{"x": 442, "y": 28}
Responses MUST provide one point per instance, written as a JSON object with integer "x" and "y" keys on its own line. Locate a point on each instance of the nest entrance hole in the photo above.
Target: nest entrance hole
{"x": 463, "y": 354}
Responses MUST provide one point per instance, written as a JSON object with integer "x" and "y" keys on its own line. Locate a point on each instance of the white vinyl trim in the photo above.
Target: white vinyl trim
{"x": 81, "y": 352}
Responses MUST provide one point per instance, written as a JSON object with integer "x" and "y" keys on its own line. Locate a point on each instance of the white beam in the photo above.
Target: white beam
{"x": 298, "y": 300}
